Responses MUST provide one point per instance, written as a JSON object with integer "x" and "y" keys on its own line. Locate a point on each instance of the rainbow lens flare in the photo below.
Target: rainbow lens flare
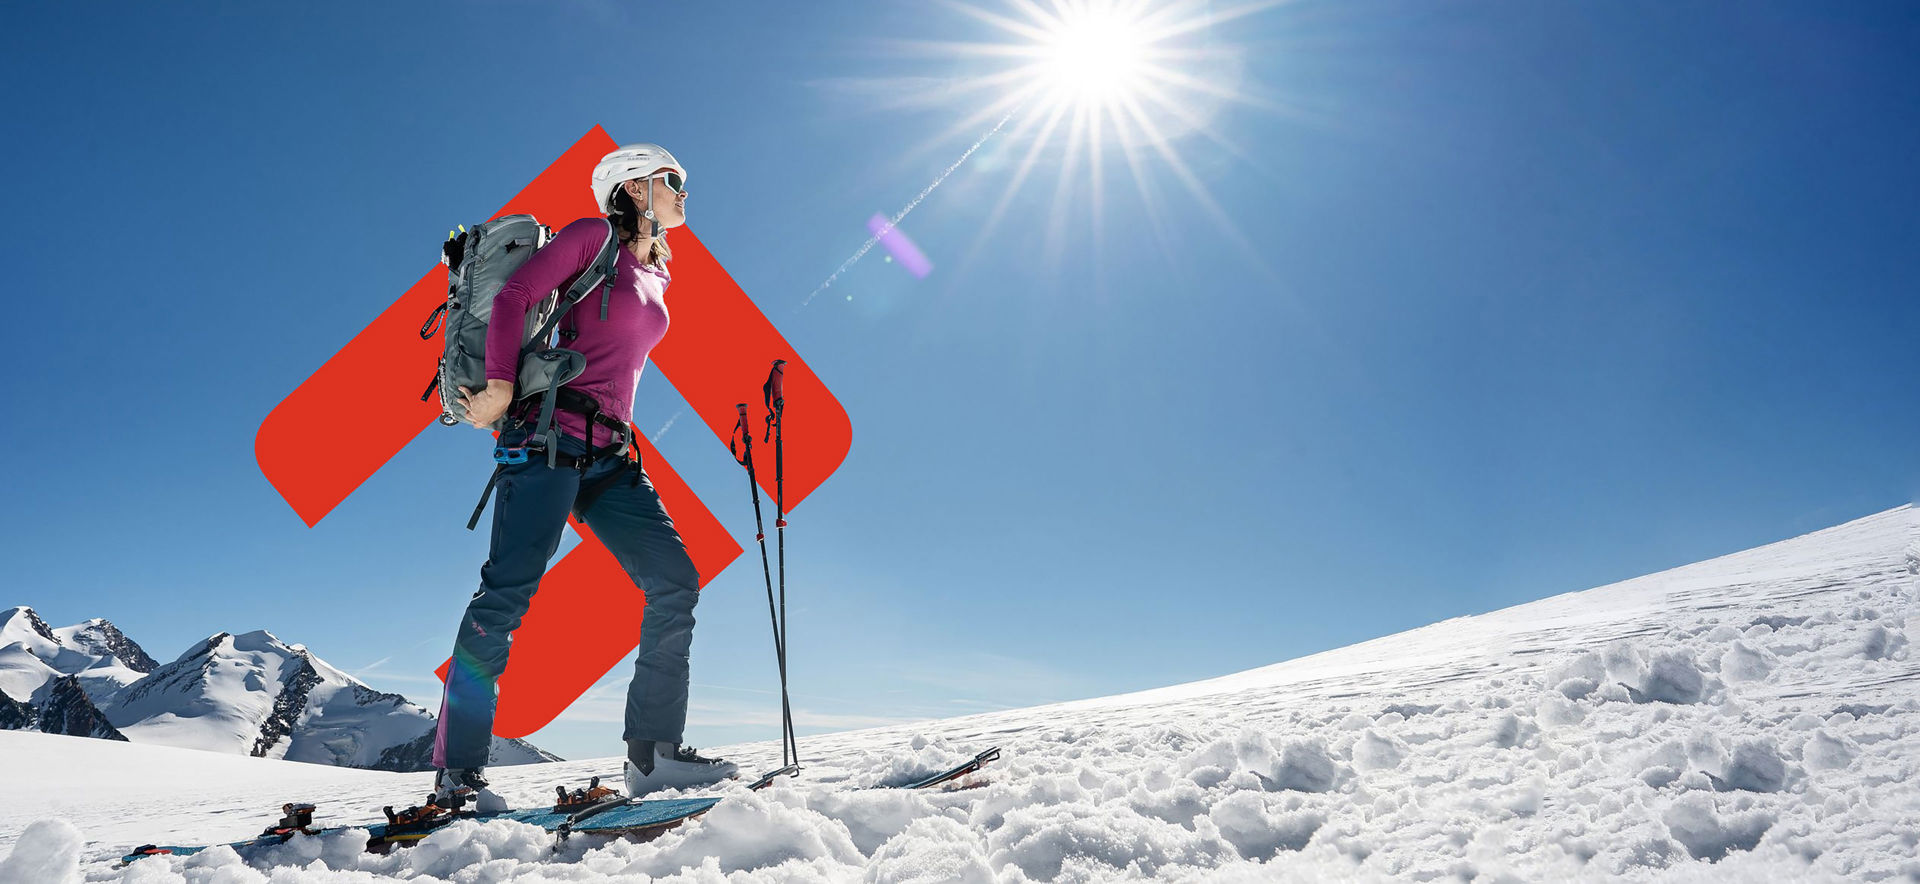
{"x": 899, "y": 246}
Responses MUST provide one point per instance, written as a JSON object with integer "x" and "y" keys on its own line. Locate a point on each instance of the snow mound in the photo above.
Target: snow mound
{"x": 48, "y": 852}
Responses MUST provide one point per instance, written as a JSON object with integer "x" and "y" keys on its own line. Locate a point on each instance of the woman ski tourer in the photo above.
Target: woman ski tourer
{"x": 641, "y": 189}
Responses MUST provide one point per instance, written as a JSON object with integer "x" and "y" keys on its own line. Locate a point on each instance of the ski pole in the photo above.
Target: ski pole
{"x": 741, "y": 444}
{"x": 776, "y": 399}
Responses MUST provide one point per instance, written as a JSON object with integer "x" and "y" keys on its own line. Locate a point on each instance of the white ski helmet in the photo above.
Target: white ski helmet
{"x": 628, "y": 162}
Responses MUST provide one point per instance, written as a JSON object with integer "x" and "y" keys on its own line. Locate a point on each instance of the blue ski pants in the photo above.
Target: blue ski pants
{"x": 531, "y": 502}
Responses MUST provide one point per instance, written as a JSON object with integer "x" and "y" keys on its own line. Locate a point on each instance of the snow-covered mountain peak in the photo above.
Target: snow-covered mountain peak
{"x": 204, "y": 649}
{"x": 101, "y": 638}
{"x": 51, "y": 682}
{"x": 21, "y": 624}
{"x": 252, "y": 693}
{"x": 103, "y": 658}
{"x": 247, "y": 693}
{"x": 261, "y": 641}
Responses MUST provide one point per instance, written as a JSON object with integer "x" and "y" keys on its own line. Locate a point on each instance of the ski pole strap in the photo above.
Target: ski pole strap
{"x": 775, "y": 391}
{"x": 742, "y": 430}
{"x": 775, "y": 387}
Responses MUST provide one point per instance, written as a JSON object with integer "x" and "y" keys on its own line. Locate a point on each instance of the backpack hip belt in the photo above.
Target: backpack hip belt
{"x": 567, "y": 399}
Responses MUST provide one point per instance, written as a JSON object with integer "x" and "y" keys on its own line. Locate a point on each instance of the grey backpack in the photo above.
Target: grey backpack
{"x": 479, "y": 263}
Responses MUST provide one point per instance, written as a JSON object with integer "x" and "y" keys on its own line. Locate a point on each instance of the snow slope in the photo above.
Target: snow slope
{"x": 1750, "y": 718}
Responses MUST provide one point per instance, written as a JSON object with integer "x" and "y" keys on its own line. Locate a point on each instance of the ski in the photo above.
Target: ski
{"x": 589, "y": 811}
{"x": 791, "y": 770}
{"x": 969, "y": 766}
{"x": 297, "y": 820}
{"x": 979, "y": 761}
{"x": 594, "y": 810}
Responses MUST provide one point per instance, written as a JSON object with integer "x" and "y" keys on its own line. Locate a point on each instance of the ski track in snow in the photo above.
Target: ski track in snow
{"x": 1748, "y": 718}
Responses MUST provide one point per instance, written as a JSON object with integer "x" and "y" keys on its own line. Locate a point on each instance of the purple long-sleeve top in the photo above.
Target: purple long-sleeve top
{"x": 616, "y": 348}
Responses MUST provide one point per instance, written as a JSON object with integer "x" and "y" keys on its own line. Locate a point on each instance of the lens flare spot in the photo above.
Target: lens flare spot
{"x": 899, "y": 247}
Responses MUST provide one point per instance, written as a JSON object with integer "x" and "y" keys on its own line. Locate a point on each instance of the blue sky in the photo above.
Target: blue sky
{"x": 1510, "y": 299}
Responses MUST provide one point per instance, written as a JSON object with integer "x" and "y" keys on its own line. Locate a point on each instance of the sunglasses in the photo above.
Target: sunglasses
{"x": 674, "y": 182}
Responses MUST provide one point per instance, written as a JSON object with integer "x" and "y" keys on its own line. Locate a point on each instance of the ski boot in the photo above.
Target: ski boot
{"x": 454, "y": 789}
{"x": 653, "y": 766}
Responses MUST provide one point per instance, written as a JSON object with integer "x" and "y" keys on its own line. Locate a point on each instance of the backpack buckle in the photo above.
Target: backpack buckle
{"x": 503, "y": 454}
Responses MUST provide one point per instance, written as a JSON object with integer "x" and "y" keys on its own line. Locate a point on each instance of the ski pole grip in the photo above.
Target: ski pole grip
{"x": 776, "y": 385}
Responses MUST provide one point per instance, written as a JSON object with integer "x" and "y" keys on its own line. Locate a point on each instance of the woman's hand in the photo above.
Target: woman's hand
{"x": 488, "y": 405}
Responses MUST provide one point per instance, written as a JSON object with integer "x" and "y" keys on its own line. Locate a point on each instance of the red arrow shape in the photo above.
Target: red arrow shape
{"x": 586, "y": 615}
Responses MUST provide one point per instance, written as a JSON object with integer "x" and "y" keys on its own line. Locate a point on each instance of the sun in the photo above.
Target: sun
{"x": 1097, "y": 56}
{"x": 1104, "y": 89}
{"x": 1095, "y": 84}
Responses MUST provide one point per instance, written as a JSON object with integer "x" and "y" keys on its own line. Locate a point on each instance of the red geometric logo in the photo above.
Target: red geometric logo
{"x": 586, "y": 616}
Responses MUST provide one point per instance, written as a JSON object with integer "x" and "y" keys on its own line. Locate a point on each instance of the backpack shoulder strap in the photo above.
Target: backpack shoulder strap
{"x": 609, "y": 260}
{"x": 602, "y": 270}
